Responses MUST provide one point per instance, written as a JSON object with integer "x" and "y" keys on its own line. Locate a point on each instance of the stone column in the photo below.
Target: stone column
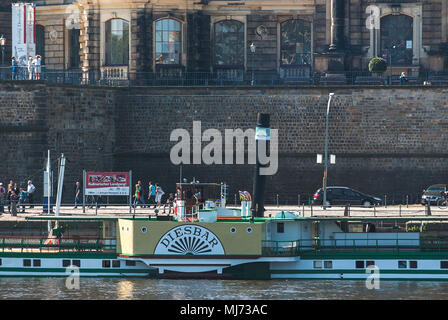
{"x": 90, "y": 41}
{"x": 337, "y": 25}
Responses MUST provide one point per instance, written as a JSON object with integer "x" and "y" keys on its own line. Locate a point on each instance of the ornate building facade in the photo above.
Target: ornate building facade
{"x": 284, "y": 38}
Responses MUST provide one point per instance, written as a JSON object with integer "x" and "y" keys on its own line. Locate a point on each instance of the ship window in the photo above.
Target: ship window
{"x": 359, "y": 264}
{"x": 443, "y": 264}
{"x": 402, "y": 264}
{"x": 27, "y": 262}
{"x": 328, "y": 264}
{"x": 280, "y": 227}
{"x": 370, "y": 263}
{"x": 36, "y": 262}
{"x": 65, "y": 263}
{"x": 106, "y": 263}
{"x": 116, "y": 263}
{"x": 130, "y": 263}
{"x": 76, "y": 263}
{"x": 317, "y": 264}
{"x": 413, "y": 264}
{"x": 0, "y": 262}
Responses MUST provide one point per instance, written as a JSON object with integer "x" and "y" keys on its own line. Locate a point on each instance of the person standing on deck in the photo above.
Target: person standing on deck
{"x": 159, "y": 194}
{"x": 77, "y": 194}
{"x": 151, "y": 195}
{"x": 31, "y": 189}
{"x": 2, "y": 198}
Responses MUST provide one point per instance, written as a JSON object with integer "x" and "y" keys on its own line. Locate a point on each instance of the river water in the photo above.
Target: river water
{"x": 164, "y": 289}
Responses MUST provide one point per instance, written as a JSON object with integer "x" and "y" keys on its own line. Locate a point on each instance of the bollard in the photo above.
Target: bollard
{"x": 407, "y": 201}
{"x": 303, "y": 210}
{"x": 277, "y": 201}
{"x": 374, "y": 209}
{"x": 298, "y": 201}
{"x": 96, "y": 208}
{"x": 235, "y": 198}
{"x": 428, "y": 209}
{"x": 399, "y": 213}
{"x": 385, "y": 201}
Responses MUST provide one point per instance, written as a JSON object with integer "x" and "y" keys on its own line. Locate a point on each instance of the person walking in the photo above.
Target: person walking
{"x": 77, "y": 194}
{"x": 2, "y": 198}
{"x": 151, "y": 194}
{"x": 14, "y": 67}
{"x": 137, "y": 195}
{"x": 159, "y": 194}
{"x": 403, "y": 78}
{"x": 31, "y": 189}
{"x": 142, "y": 197}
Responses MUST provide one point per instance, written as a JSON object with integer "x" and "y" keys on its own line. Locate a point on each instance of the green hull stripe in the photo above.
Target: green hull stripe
{"x": 69, "y": 255}
{"x": 360, "y": 271}
{"x": 81, "y": 270}
{"x": 421, "y": 255}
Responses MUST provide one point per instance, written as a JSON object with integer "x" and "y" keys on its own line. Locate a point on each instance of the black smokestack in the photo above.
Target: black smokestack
{"x": 260, "y": 180}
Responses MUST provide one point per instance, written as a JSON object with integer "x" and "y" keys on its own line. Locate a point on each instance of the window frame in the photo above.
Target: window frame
{"x": 181, "y": 38}
{"x": 280, "y": 44}
{"x": 381, "y": 53}
{"x": 106, "y": 62}
{"x": 243, "y": 43}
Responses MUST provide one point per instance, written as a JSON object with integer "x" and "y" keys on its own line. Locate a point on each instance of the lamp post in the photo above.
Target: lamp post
{"x": 2, "y": 43}
{"x": 324, "y": 203}
{"x": 390, "y": 64}
{"x": 252, "y": 49}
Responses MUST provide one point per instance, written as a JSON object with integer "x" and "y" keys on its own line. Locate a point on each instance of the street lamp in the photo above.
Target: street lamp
{"x": 390, "y": 64}
{"x": 252, "y": 49}
{"x": 3, "y": 43}
{"x": 326, "y": 152}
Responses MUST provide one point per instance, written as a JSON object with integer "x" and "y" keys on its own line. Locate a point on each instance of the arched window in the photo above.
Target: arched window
{"x": 117, "y": 42}
{"x": 295, "y": 47}
{"x": 397, "y": 39}
{"x": 168, "y": 42}
{"x": 229, "y": 43}
{"x": 40, "y": 42}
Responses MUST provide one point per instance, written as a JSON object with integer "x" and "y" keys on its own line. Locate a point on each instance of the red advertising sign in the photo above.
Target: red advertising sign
{"x": 107, "y": 183}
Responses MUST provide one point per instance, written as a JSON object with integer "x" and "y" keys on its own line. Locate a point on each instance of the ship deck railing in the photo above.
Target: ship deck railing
{"x": 296, "y": 247}
{"x": 64, "y": 244}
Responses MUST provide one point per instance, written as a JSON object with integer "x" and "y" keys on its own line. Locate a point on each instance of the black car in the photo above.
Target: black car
{"x": 433, "y": 194}
{"x": 341, "y": 196}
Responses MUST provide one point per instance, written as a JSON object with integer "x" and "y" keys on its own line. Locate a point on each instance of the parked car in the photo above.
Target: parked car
{"x": 433, "y": 194}
{"x": 341, "y": 196}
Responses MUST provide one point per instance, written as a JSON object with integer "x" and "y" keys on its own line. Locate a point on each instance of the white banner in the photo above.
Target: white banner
{"x": 23, "y": 31}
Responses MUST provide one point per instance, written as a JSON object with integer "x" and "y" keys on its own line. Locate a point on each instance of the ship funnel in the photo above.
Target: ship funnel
{"x": 261, "y": 136}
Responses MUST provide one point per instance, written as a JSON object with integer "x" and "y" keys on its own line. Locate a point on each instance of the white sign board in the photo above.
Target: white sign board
{"x": 23, "y": 31}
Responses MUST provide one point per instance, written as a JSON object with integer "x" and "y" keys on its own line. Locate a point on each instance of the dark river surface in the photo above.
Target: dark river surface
{"x": 164, "y": 289}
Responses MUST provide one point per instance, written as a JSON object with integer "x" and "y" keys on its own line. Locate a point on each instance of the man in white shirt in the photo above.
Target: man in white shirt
{"x": 37, "y": 67}
{"x": 30, "y": 192}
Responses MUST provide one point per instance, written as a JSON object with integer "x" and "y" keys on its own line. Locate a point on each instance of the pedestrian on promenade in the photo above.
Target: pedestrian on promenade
{"x": 159, "y": 194}
{"x": 13, "y": 203}
{"x": 14, "y": 67}
{"x": 137, "y": 195}
{"x": 30, "y": 66}
{"x": 142, "y": 192}
{"x": 77, "y": 194}
{"x": 2, "y": 198}
{"x": 169, "y": 203}
{"x": 22, "y": 198}
{"x": 31, "y": 190}
{"x": 151, "y": 194}
{"x": 37, "y": 66}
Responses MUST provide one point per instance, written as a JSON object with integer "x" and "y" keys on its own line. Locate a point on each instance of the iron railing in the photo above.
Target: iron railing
{"x": 50, "y": 244}
{"x": 296, "y": 247}
{"x": 285, "y": 77}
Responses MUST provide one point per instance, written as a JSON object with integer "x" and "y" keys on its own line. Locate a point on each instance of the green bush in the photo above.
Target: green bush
{"x": 377, "y": 65}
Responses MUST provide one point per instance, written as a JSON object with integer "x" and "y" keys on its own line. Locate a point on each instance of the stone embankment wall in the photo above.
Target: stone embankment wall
{"x": 387, "y": 140}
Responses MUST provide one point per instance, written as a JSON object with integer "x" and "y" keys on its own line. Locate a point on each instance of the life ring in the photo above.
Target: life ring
{"x": 52, "y": 240}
